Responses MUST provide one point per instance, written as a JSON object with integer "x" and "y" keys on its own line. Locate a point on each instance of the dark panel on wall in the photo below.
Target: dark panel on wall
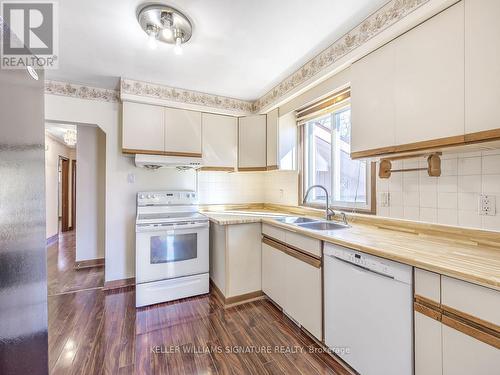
{"x": 23, "y": 278}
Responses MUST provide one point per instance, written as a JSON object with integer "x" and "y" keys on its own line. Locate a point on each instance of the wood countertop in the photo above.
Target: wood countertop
{"x": 448, "y": 254}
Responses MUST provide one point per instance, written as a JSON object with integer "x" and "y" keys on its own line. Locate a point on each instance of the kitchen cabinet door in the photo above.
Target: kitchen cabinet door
{"x": 220, "y": 141}
{"x": 303, "y": 295}
{"x": 429, "y": 79}
{"x": 465, "y": 355}
{"x": 272, "y": 127}
{"x": 182, "y": 132}
{"x": 252, "y": 142}
{"x": 482, "y": 65}
{"x": 372, "y": 101}
{"x": 273, "y": 274}
{"x": 428, "y": 359}
{"x": 142, "y": 128}
{"x": 287, "y": 142}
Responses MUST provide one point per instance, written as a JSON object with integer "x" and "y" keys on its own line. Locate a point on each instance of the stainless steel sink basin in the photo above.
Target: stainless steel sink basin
{"x": 323, "y": 225}
{"x": 295, "y": 220}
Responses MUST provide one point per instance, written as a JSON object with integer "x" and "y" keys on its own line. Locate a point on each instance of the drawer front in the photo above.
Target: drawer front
{"x": 428, "y": 285}
{"x": 475, "y": 300}
{"x": 304, "y": 243}
{"x": 273, "y": 232}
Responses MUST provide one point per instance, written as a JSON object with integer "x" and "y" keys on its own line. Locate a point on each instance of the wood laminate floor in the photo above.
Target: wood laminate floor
{"x": 97, "y": 332}
{"x": 61, "y": 275}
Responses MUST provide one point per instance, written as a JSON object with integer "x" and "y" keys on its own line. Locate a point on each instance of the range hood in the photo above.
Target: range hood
{"x": 160, "y": 161}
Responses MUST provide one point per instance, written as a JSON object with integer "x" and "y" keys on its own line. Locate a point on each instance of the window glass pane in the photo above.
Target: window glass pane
{"x": 319, "y": 146}
{"x": 350, "y": 174}
{"x": 327, "y": 161}
{"x": 173, "y": 248}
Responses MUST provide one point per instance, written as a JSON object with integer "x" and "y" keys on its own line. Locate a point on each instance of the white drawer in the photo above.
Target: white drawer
{"x": 273, "y": 232}
{"x": 428, "y": 285}
{"x": 304, "y": 243}
{"x": 475, "y": 300}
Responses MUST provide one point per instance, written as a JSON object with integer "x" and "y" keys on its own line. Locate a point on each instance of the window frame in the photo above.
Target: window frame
{"x": 368, "y": 208}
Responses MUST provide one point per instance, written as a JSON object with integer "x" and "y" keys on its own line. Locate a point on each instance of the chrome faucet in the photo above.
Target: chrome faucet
{"x": 329, "y": 213}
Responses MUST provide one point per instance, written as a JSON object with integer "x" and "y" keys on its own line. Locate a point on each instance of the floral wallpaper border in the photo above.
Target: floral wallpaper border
{"x": 377, "y": 22}
{"x": 128, "y": 86}
{"x": 80, "y": 91}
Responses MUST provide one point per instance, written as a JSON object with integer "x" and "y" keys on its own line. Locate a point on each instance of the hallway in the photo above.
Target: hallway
{"x": 61, "y": 275}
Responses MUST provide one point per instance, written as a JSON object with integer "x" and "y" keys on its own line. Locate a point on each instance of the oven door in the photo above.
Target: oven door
{"x": 171, "y": 250}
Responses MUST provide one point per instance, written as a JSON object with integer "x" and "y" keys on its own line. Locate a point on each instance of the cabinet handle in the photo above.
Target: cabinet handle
{"x": 315, "y": 262}
{"x": 479, "y": 333}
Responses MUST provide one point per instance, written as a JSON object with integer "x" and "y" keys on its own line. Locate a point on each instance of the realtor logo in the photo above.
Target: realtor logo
{"x": 30, "y": 34}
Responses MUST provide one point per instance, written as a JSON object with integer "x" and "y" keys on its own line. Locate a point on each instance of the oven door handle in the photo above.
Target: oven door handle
{"x": 204, "y": 224}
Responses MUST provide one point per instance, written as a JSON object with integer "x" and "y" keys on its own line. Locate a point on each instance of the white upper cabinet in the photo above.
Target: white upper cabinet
{"x": 482, "y": 65}
{"x": 220, "y": 140}
{"x": 372, "y": 101}
{"x": 182, "y": 131}
{"x": 281, "y": 140}
{"x": 412, "y": 89}
{"x": 272, "y": 139}
{"x": 142, "y": 128}
{"x": 429, "y": 79}
{"x": 252, "y": 143}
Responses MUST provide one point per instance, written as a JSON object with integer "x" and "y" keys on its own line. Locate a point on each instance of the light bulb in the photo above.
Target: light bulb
{"x": 152, "y": 40}
{"x": 178, "y": 47}
{"x": 167, "y": 33}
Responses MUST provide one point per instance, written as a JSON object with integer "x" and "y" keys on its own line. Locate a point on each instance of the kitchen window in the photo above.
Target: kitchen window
{"x": 326, "y": 146}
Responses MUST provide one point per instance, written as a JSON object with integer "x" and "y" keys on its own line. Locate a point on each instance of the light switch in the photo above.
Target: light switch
{"x": 131, "y": 178}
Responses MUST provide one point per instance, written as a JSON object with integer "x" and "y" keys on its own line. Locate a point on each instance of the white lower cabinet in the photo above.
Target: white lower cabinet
{"x": 273, "y": 271}
{"x": 464, "y": 355}
{"x": 303, "y": 294}
{"x": 428, "y": 358}
{"x": 295, "y": 286}
{"x": 456, "y": 326}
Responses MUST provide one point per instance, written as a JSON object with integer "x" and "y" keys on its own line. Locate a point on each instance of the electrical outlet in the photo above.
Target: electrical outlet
{"x": 385, "y": 199}
{"x": 487, "y": 205}
{"x": 131, "y": 178}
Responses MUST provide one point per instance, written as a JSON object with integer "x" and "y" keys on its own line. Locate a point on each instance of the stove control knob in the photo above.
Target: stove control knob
{"x": 141, "y": 196}
{"x": 148, "y": 196}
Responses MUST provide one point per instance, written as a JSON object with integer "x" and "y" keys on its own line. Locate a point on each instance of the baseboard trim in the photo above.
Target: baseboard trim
{"x": 52, "y": 239}
{"x": 89, "y": 263}
{"x": 235, "y": 300}
{"x": 117, "y": 284}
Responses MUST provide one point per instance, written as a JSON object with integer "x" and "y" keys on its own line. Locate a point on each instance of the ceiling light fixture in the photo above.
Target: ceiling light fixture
{"x": 70, "y": 137}
{"x": 152, "y": 37}
{"x": 165, "y": 24}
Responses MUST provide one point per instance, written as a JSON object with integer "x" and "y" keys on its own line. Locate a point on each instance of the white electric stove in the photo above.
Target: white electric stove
{"x": 172, "y": 242}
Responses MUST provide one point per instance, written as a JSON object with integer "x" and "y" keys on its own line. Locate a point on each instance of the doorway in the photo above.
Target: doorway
{"x": 64, "y": 203}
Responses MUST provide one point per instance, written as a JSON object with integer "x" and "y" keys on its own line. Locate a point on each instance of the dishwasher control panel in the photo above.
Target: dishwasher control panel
{"x": 385, "y": 267}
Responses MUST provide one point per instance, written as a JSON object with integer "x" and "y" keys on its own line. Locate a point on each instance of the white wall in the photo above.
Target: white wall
{"x": 54, "y": 149}
{"x": 120, "y": 194}
{"x": 91, "y": 189}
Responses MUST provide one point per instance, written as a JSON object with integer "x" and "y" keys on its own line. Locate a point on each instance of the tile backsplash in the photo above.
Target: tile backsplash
{"x": 230, "y": 188}
{"x": 278, "y": 187}
{"x": 452, "y": 198}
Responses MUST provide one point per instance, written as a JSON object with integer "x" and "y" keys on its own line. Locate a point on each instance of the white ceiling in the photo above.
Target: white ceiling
{"x": 239, "y": 48}
{"x": 57, "y": 131}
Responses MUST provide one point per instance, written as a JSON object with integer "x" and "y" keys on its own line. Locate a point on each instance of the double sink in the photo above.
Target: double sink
{"x": 307, "y": 223}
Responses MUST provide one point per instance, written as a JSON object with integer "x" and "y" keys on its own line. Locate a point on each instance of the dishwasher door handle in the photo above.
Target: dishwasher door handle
{"x": 357, "y": 266}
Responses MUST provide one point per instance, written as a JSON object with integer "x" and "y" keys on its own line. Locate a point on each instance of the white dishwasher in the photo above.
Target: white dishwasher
{"x": 368, "y": 311}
